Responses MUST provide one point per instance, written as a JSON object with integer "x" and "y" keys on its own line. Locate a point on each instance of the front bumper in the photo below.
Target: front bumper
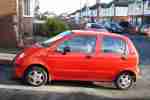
{"x": 17, "y": 71}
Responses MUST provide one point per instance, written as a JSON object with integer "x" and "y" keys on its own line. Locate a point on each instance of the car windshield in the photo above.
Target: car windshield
{"x": 117, "y": 25}
{"x": 55, "y": 38}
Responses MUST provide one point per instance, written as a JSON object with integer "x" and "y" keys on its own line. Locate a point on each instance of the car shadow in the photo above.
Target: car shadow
{"x": 84, "y": 84}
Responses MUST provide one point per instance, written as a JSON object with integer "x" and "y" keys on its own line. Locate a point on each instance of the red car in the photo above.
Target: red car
{"x": 80, "y": 55}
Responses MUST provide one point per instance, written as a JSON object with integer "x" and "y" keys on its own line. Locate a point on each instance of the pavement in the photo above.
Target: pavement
{"x": 142, "y": 43}
{"x": 70, "y": 90}
{"x": 74, "y": 90}
{"x": 6, "y": 58}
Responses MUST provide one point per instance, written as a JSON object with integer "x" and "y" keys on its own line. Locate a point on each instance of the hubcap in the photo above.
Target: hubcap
{"x": 124, "y": 81}
{"x": 35, "y": 77}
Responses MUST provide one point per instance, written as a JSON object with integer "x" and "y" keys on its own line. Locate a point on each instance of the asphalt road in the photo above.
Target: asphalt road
{"x": 68, "y": 90}
{"x": 142, "y": 44}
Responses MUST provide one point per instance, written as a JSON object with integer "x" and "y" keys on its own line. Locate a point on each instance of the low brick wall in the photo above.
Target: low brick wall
{"x": 28, "y": 25}
{"x": 7, "y": 34}
{"x": 6, "y": 58}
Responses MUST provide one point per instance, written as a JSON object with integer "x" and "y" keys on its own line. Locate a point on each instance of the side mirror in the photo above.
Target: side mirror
{"x": 64, "y": 50}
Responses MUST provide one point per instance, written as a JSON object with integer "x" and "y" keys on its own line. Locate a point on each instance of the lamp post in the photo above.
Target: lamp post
{"x": 80, "y": 9}
{"x": 98, "y": 8}
{"x": 143, "y": 11}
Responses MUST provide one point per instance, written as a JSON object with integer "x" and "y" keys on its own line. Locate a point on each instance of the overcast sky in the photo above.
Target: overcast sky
{"x": 63, "y": 6}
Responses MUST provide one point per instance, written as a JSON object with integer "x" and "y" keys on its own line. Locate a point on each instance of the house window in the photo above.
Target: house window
{"x": 28, "y": 7}
{"x": 147, "y": 5}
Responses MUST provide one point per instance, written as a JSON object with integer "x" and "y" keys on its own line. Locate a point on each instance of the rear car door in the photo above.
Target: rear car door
{"x": 112, "y": 56}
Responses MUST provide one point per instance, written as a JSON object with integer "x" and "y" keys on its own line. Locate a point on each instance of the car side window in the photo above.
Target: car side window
{"x": 113, "y": 45}
{"x": 84, "y": 44}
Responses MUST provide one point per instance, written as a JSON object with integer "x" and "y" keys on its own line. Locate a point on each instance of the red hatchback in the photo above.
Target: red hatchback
{"x": 80, "y": 55}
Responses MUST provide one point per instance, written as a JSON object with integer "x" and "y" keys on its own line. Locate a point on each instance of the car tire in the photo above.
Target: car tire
{"x": 36, "y": 76}
{"x": 124, "y": 81}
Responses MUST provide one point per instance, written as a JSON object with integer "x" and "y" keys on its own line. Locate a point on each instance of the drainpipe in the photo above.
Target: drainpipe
{"x": 20, "y": 22}
{"x": 143, "y": 12}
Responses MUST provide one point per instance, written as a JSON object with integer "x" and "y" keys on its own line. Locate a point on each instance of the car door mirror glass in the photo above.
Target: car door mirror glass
{"x": 64, "y": 50}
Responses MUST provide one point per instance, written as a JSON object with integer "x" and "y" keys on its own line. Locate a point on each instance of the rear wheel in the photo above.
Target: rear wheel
{"x": 124, "y": 81}
{"x": 36, "y": 76}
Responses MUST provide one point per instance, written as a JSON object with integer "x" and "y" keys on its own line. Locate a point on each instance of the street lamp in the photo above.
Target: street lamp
{"x": 80, "y": 8}
{"x": 143, "y": 11}
{"x": 98, "y": 8}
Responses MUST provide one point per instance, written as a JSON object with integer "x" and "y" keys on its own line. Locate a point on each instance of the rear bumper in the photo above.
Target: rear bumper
{"x": 138, "y": 72}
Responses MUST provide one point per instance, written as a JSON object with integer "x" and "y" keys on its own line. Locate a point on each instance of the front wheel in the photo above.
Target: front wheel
{"x": 124, "y": 81}
{"x": 36, "y": 76}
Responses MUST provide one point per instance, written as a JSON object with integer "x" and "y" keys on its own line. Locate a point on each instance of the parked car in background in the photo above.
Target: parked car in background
{"x": 80, "y": 55}
{"x": 95, "y": 27}
{"x": 113, "y": 27}
{"x": 145, "y": 29}
{"x": 128, "y": 27}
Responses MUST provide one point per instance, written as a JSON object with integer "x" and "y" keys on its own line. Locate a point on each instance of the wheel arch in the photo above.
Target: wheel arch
{"x": 127, "y": 71}
{"x": 39, "y": 65}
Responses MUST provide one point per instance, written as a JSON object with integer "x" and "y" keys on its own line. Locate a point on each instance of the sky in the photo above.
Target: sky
{"x": 64, "y": 6}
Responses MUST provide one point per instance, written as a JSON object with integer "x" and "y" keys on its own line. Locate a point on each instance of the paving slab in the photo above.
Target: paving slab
{"x": 6, "y": 58}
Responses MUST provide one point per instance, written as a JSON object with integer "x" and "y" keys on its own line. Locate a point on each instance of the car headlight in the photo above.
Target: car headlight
{"x": 21, "y": 55}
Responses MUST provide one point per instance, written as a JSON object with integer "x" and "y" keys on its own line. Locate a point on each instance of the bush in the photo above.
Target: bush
{"x": 53, "y": 26}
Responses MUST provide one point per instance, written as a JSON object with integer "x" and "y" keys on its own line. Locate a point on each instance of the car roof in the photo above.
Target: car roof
{"x": 91, "y": 32}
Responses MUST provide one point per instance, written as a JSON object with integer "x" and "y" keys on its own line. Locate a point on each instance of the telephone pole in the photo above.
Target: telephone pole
{"x": 80, "y": 9}
{"x": 98, "y": 8}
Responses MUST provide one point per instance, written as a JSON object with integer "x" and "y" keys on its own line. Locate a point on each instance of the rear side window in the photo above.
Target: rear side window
{"x": 113, "y": 45}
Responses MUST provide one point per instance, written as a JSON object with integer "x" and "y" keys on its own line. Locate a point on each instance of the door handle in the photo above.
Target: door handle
{"x": 124, "y": 57}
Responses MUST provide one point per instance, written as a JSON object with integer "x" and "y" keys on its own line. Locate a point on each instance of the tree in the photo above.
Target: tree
{"x": 53, "y": 26}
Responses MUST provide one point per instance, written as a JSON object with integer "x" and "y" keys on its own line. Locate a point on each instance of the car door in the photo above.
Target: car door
{"x": 112, "y": 56}
{"x": 74, "y": 58}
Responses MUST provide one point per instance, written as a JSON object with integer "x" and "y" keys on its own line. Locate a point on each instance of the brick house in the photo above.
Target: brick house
{"x": 16, "y": 17}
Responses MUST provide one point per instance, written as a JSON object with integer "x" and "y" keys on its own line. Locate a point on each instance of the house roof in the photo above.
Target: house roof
{"x": 120, "y": 3}
{"x": 123, "y": 3}
{"x": 73, "y": 13}
{"x": 102, "y": 5}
